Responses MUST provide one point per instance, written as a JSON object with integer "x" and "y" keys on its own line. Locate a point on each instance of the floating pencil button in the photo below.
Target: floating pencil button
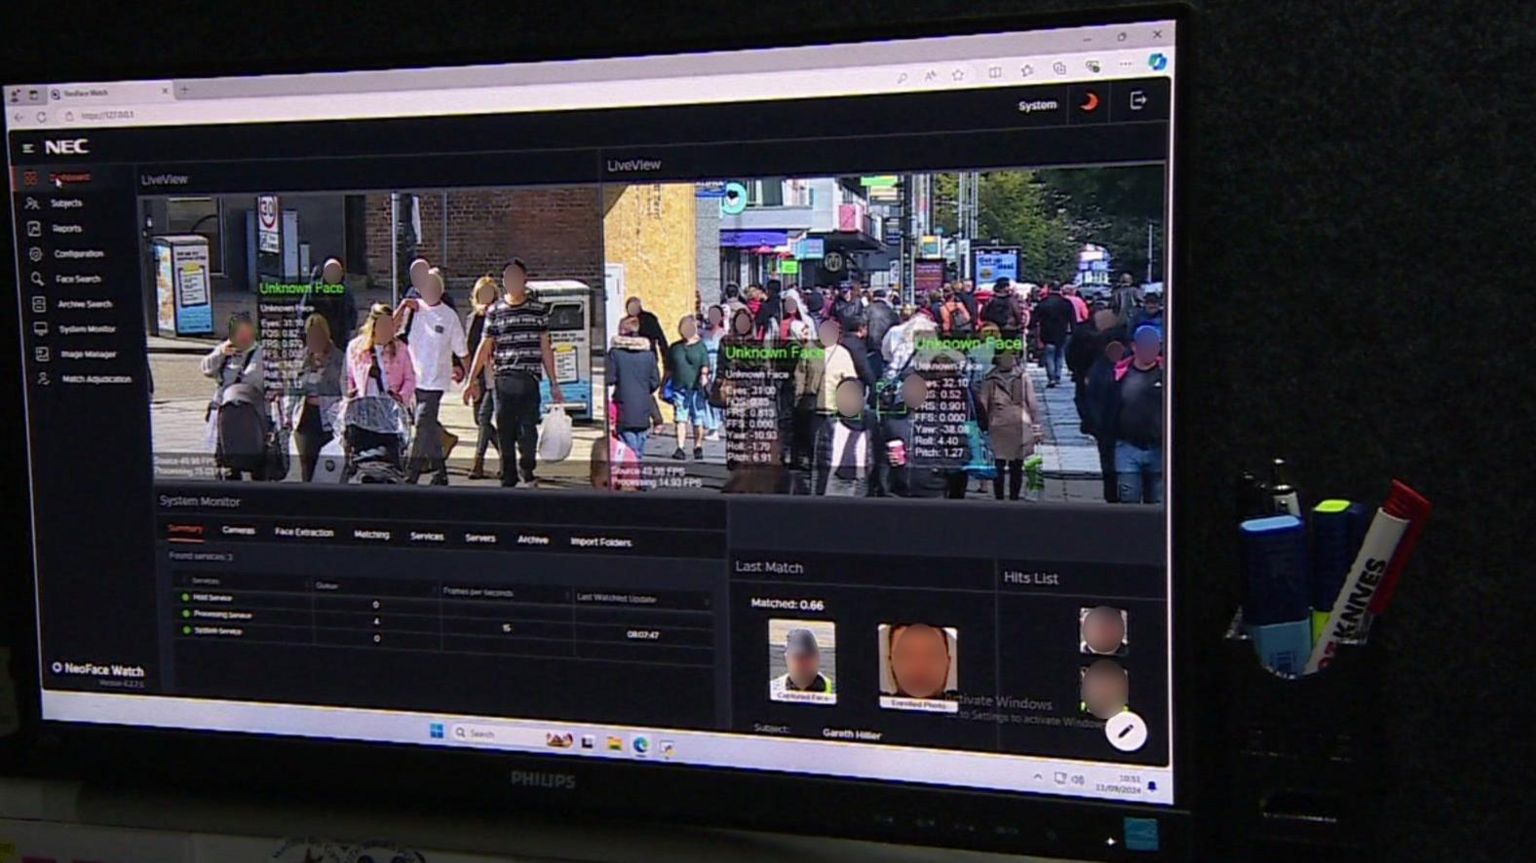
{"x": 1126, "y": 731}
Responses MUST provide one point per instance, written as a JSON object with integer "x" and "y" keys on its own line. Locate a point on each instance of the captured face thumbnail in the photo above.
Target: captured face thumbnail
{"x": 1105, "y": 688}
{"x": 919, "y": 665}
{"x": 862, "y": 336}
{"x": 1102, "y": 630}
{"x": 802, "y": 661}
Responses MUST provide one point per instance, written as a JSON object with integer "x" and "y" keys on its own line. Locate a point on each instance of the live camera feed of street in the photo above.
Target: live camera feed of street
{"x": 981, "y": 335}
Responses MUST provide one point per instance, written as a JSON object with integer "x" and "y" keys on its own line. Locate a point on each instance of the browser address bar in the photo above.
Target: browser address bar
{"x": 565, "y": 96}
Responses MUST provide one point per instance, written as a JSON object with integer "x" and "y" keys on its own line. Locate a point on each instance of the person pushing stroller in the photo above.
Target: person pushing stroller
{"x": 381, "y": 389}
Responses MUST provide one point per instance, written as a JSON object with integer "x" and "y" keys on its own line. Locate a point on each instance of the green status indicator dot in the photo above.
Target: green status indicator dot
{"x": 185, "y": 612}
{"x": 186, "y": 597}
{"x": 186, "y": 630}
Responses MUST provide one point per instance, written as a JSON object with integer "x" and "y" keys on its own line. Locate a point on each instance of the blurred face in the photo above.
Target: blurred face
{"x": 791, "y": 307}
{"x": 1103, "y": 629}
{"x": 383, "y": 330}
{"x": 1103, "y": 319}
{"x": 803, "y": 666}
{"x": 716, "y": 316}
{"x": 420, "y": 270}
{"x": 914, "y": 391}
{"x": 432, "y": 289}
{"x": 1105, "y": 688}
{"x": 632, "y": 306}
{"x": 742, "y": 324}
{"x": 1114, "y": 351}
{"x": 514, "y": 280}
{"x": 688, "y": 328}
{"x": 331, "y": 273}
{"x": 829, "y": 332}
{"x": 316, "y": 340}
{"x": 243, "y": 335}
{"x": 850, "y": 397}
{"x": 1147, "y": 348}
{"x": 1127, "y": 279}
{"x": 920, "y": 660}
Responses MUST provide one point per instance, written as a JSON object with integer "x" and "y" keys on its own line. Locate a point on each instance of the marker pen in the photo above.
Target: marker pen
{"x": 1365, "y": 576}
{"x": 1275, "y": 613}
{"x": 1287, "y": 501}
{"x": 1418, "y": 513}
{"x": 1338, "y": 526}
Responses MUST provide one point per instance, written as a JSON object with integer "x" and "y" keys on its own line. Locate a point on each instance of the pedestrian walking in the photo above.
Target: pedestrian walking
{"x": 437, "y": 350}
{"x": 1133, "y": 414}
{"x": 516, "y": 347}
{"x": 849, "y": 450}
{"x": 633, "y": 380}
{"x": 687, "y": 385}
{"x": 317, "y": 395}
{"x": 1055, "y": 314}
{"x": 330, "y": 298}
{"x": 237, "y": 418}
{"x": 1010, "y": 412}
{"x": 481, "y": 297}
{"x": 381, "y": 388}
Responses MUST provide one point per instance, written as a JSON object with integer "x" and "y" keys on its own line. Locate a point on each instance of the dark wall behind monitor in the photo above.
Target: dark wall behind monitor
{"x": 1360, "y": 297}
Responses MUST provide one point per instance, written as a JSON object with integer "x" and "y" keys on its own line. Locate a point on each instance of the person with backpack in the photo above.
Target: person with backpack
{"x": 238, "y": 422}
{"x": 1002, "y": 311}
{"x": 1009, "y": 410}
{"x": 954, "y": 317}
{"x": 381, "y": 386}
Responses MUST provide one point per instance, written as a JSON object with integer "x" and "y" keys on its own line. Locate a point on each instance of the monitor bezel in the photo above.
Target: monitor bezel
{"x": 418, "y": 777}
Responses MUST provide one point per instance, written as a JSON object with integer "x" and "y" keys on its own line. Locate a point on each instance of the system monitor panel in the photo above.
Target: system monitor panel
{"x": 721, "y": 419}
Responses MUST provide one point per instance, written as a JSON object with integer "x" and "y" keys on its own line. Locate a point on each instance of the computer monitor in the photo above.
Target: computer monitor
{"x": 775, "y": 437}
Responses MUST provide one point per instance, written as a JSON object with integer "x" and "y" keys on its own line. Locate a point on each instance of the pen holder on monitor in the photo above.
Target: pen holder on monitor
{"x": 1303, "y": 754}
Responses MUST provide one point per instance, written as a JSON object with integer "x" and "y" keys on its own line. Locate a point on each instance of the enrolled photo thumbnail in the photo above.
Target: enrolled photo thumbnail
{"x": 1102, "y": 630}
{"x": 919, "y": 667}
{"x": 802, "y": 661}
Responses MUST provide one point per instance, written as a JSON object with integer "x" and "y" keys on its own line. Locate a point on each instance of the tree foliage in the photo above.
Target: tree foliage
{"x": 1049, "y": 214}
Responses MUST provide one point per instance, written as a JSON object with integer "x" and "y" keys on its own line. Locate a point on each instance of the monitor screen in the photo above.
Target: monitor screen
{"x": 789, "y": 410}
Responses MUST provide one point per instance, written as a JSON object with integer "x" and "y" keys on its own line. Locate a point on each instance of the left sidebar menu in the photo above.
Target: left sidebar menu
{"x": 87, "y": 415}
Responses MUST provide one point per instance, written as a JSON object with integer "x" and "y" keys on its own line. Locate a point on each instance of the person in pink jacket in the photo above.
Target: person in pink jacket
{"x": 381, "y": 386}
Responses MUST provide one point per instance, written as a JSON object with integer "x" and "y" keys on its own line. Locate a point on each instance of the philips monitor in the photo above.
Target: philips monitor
{"x": 775, "y": 437}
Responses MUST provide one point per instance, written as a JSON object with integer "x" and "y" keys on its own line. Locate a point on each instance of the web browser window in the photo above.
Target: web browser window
{"x": 796, "y": 410}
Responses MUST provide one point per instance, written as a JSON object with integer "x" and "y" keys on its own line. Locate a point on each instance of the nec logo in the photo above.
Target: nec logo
{"x": 68, "y": 147}
{"x": 543, "y": 779}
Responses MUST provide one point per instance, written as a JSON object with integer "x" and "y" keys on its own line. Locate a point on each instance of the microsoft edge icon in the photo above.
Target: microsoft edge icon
{"x": 1158, "y": 62}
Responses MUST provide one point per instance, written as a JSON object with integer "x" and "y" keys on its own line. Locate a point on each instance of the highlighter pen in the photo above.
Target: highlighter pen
{"x": 1418, "y": 513}
{"x": 1275, "y": 613}
{"x": 1365, "y": 575}
{"x": 1338, "y": 527}
{"x": 1287, "y": 501}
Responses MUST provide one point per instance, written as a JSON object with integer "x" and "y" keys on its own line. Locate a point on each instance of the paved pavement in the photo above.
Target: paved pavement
{"x": 181, "y": 449}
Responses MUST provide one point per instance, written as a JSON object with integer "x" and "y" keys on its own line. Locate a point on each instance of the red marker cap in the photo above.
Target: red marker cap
{"x": 1408, "y": 504}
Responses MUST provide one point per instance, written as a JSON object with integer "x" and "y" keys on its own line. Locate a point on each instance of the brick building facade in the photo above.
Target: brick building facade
{"x": 557, "y": 231}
